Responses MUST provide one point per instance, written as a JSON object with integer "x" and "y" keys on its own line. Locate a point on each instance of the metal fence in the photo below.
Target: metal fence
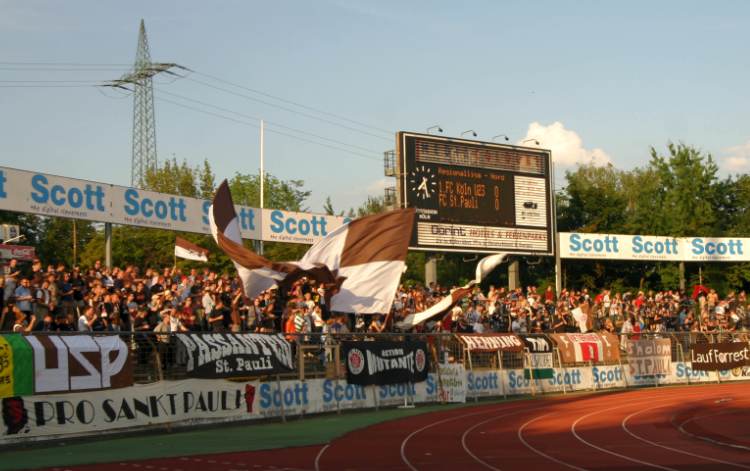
{"x": 160, "y": 356}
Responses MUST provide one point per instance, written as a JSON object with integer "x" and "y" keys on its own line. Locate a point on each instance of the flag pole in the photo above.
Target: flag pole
{"x": 262, "y": 180}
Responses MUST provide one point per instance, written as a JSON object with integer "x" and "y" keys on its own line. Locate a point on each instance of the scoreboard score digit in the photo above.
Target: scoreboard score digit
{"x": 476, "y": 196}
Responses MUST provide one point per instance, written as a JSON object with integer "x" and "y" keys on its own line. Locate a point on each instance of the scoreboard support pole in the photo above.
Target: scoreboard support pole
{"x": 514, "y": 275}
{"x": 430, "y": 269}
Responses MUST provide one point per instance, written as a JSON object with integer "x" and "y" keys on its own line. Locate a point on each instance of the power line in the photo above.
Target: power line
{"x": 259, "y": 92}
{"x": 57, "y": 69}
{"x": 238, "y": 121}
{"x": 46, "y": 86}
{"x": 287, "y": 109}
{"x": 72, "y": 64}
{"x": 86, "y": 66}
{"x": 267, "y": 122}
{"x": 92, "y": 82}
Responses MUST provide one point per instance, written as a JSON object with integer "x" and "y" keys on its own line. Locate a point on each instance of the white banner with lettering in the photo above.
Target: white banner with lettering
{"x": 658, "y": 248}
{"x": 50, "y": 195}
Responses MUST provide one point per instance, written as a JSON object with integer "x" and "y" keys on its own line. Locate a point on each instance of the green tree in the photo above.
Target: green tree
{"x": 206, "y": 181}
{"x": 57, "y": 245}
{"x": 288, "y": 195}
{"x": 174, "y": 178}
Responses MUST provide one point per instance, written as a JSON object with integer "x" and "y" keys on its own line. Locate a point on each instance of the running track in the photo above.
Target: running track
{"x": 688, "y": 428}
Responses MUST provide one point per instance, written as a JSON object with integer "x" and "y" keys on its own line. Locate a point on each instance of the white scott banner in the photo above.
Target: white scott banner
{"x": 50, "y": 195}
{"x": 642, "y": 247}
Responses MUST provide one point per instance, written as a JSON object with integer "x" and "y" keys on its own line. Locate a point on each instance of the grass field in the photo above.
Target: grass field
{"x": 186, "y": 442}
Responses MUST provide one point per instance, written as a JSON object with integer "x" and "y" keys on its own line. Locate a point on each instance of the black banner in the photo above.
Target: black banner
{"x": 226, "y": 355}
{"x": 537, "y": 344}
{"x": 386, "y": 362}
{"x": 719, "y": 356}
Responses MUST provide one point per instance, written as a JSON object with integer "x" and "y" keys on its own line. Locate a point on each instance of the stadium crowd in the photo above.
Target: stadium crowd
{"x": 129, "y": 299}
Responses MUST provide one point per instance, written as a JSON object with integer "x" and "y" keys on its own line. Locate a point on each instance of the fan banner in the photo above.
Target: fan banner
{"x": 585, "y": 348}
{"x": 491, "y": 342}
{"x": 540, "y": 359}
{"x": 384, "y": 363}
{"x": 719, "y": 356}
{"x": 649, "y": 357}
{"x": 227, "y": 355}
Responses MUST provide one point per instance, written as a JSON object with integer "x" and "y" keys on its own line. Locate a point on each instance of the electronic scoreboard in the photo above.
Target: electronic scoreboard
{"x": 473, "y": 196}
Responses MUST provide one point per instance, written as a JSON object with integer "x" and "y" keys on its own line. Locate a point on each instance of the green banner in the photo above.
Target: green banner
{"x": 16, "y": 366}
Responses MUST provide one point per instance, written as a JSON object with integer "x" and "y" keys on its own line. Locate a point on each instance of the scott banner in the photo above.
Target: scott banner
{"x": 584, "y": 348}
{"x": 719, "y": 356}
{"x": 385, "y": 362}
{"x": 649, "y": 357}
{"x": 50, "y": 195}
{"x": 229, "y": 355}
{"x": 646, "y": 247}
{"x": 42, "y": 364}
{"x": 491, "y": 342}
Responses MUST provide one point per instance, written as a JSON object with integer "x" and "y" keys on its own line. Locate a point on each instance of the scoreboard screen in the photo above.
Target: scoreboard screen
{"x": 473, "y": 196}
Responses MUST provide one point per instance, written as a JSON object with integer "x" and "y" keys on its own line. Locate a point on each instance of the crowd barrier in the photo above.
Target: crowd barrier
{"x": 61, "y": 386}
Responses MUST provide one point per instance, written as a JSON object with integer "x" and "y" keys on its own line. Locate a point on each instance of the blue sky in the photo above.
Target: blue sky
{"x": 588, "y": 79}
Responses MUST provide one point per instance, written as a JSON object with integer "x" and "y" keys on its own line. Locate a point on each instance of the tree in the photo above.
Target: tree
{"x": 688, "y": 191}
{"x": 57, "y": 244}
{"x": 288, "y": 195}
{"x": 173, "y": 178}
{"x": 206, "y": 181}
{"x": 593, "y": 200}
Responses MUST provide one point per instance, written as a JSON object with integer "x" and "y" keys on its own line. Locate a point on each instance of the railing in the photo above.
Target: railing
{"x": 160, "y": 356}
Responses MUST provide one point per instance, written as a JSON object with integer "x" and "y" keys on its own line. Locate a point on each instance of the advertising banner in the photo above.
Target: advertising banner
{"x": 229, "y": 355}
{"x": 649, "y": 357}
{"x": 540, "y": 357}
{"x": 451, "y": 379}
{"x": 141, "y": 405}
{"x": 584, "y": 348}
{"x": 23, "y": 253}
{"x": 384, "y": 363}
{"x": 645, "y": 247}
{"x": 491, "y": 342}
{"x": 51, "y": 195}
{"x": 719, "y": 356}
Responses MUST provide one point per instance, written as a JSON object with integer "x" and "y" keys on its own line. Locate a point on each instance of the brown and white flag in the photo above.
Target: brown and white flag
{"x": 361, "y": 261}
{"x": 189, "y": 251}
{"x": 484, "y": 267}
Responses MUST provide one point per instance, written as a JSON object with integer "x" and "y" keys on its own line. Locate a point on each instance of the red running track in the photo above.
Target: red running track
{"x": 691, "y": 428}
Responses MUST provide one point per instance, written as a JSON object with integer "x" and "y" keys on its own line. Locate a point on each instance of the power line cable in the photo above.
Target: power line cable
{"x": 266, "y": 121}
{"x": 259, "y": 92}
{"x": 288, "y": 109}
{"x": 238, "y": 121}
{"x": 87, "y": 66}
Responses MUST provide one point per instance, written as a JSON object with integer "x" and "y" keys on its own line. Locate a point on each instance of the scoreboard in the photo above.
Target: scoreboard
{"x": 473, "y": 196}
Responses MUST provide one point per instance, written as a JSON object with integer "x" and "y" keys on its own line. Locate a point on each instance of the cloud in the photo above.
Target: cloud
{"x": 378, "y": 186}
{"x": 738, "y": 158}
{"x": 566, "y": 145}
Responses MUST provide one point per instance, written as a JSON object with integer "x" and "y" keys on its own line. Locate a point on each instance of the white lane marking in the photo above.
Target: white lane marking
{"x": 449, "y": 419}
{"x": 620, "y": 455}
{"x": 634, "y": 460}
{"x": 319, "y": 455}
{"x": 681, "y": 428}
{"x": 624, "y": 425}
{"x": 540, "y": 452}
{"x": 470, "y": 429}
{"x": 564, "y": 463}
{"x": 419, "y": 430}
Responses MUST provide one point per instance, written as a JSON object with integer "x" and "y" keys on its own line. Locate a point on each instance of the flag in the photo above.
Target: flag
{"x": 484, "y": 267}
{"x": 189, "y": 251}
{"x": 361, "y": 261}
{"x": 439, "y": 309}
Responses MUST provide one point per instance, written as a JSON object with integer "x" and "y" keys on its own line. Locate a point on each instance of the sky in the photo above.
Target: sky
{"x": 590, "y": 80}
